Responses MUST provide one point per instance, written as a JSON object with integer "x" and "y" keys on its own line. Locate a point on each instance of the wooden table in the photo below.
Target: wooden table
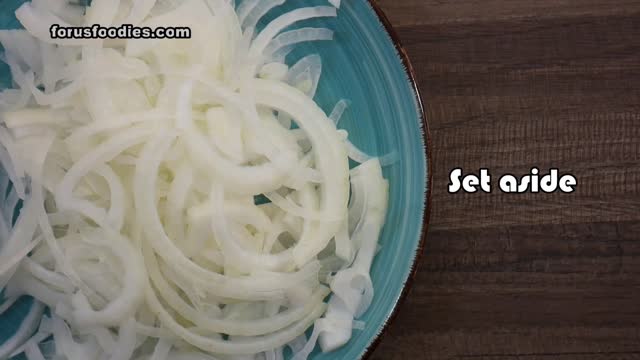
{"x": 511, "y": 84}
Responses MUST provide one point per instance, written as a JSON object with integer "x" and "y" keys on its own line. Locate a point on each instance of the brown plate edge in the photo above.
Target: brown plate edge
{"x": 426, "y": 134}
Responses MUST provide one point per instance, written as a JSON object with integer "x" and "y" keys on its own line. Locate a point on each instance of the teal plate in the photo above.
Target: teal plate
{"x": 367, "y": 65}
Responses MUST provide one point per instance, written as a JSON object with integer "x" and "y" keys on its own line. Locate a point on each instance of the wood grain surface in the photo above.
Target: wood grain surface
{"x": 511, "y": 84}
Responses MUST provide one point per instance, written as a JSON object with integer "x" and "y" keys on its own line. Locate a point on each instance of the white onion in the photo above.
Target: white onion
{"x": 338, "y": 110}
{"x": 38, "y": 338}
{"x": 139, "y": 11}
{"x": 297, "y": 36}
{"x": 305, "y": 74}
{"x": 276, "y": 26}
{"x": 28, "y": 326}
{"x": 139, "y": 163}
{"x": 32, "y": 351}
{"x": 259, "y": 9}
{"x": 6, "y": 305}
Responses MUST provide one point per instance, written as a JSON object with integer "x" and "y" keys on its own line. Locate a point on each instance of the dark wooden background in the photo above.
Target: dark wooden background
{"x": 511, "y": 84}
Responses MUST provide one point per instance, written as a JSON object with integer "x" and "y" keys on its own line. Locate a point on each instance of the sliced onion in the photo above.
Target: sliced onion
{"x": 305, "y": 74}
{"x": 26, "y": 329}
{"x": 140, "y": 163}
{"x": 276, "y": 26}
{"x": 257, "y": 12}
{"x": 297, "y": 36}
{"x": 338, "y": 111}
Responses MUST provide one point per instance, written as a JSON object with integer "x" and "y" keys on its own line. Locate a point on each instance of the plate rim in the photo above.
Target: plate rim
{"x": 426, "y": 135}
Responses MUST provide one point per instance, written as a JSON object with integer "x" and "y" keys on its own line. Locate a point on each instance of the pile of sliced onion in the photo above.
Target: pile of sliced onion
{"x": 138, "y": 165}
